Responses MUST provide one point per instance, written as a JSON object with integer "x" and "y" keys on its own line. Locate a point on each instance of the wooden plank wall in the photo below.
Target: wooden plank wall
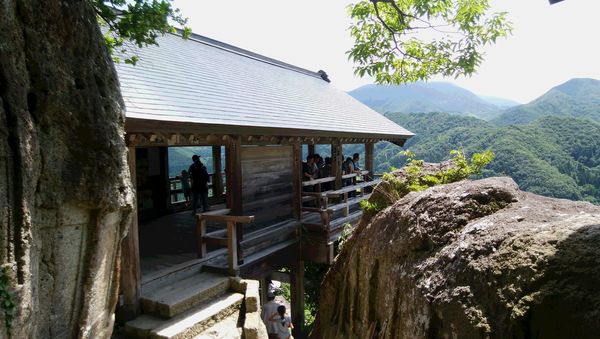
{"x": 267, "y": 186}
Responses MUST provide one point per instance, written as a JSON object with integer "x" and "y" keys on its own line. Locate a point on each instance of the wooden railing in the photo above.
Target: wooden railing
{"x": 234, "y": 236}
{"x": 343, "y": 199}
{"x": 176, "y": 188}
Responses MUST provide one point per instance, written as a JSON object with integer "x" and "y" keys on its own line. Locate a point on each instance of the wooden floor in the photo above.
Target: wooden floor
{"x": 171, "y": 240}
{"x": 168, "y": 241}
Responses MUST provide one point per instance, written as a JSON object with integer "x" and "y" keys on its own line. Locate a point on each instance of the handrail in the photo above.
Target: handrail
{"x": 349, "y": 175}
{"x": 351, "y": 188}
{"x": 318, "y": 181}
{"x": 234, "y": 237}
{"x": 242, "y": 219}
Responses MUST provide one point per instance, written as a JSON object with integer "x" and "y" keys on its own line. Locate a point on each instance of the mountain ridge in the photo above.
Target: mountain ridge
{"x": 425, "y": 97}
{"x": 578, "y": 98}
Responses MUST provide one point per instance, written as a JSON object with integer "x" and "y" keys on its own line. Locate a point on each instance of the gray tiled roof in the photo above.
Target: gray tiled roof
{"x": 203, "y": 81}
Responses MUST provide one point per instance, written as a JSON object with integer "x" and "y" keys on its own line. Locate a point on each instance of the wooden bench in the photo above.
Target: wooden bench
{"x": 234, "y": 236}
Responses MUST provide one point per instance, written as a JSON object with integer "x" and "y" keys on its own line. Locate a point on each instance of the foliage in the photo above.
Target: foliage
{"x": 414, "y": 179}
{"x": 8, "y": 304}
{"x": 139, "y": 22}
{"x": 552, "y": 156}
{"x": 400, "y": 41}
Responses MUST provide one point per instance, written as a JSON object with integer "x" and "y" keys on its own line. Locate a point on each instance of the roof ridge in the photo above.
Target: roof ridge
{"x": 246, "y": 53}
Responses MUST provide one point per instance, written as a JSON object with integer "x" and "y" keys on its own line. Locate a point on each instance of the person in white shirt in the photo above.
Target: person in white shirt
{"x": 269, "y": 309}
{"x": 283, "y": 323}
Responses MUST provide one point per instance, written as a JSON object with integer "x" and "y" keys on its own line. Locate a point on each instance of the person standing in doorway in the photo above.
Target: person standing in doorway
{"x": 199, "y": 176}
{"x": 185, "y": 185}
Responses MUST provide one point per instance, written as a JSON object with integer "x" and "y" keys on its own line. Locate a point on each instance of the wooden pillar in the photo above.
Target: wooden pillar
{"x": 297, "y": 302}
{"x": 217, "y": 178}
{"x": 234, "y": 175}
{"x": 264, "y": 287}
{"x": 336, "y": 162}
{"x": 232, "y": 248}
{"x": 130, "y": 257}
{"x": 234, "y": 185}
{"x": 297, "y": 180}
{"x": 311, "y": 148}
{"x": 369, "y": 151}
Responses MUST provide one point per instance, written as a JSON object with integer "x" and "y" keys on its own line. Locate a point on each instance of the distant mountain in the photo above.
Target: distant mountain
{"x": 423, "y": 97}
{"x": 500, "y": 102}
{"x": 578, "y": 98}
{"x": 553, "y": 156}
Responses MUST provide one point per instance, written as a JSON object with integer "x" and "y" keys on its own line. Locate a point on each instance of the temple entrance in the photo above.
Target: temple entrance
{"x": 166, "y": 224}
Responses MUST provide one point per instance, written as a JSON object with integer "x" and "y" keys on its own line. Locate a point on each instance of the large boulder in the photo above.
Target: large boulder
{"x": 473, "y": 259}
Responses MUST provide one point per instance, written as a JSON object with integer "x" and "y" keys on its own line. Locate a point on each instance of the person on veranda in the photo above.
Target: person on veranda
{"x": 185, "y": 185}
{"x": 200, "y": 178}
{"x": 308, "y": 171}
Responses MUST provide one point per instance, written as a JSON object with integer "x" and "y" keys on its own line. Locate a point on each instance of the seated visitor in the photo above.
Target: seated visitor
{"x": 309, "y": 171}
{"x": 326, "y": 172}
{"x": 355, "y": 160}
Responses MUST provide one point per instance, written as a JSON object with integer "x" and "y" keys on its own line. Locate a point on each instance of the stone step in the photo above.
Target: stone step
{"x": 228, "y": 328}
{"x": 173, "y": 297}
{"x": 189, "y": 324}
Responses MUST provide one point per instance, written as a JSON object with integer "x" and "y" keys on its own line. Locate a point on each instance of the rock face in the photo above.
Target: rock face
{"x": 473, "y": 259}
{"x": 65, "y": 195}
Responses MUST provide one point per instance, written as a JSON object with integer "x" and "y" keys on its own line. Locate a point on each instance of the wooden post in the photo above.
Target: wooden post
{"x": 311, "y": 148}
{"x": 369, "y": 151}
{"x": 234, "y": 175}
{"x": 217, "y": 178}
{"x": 200, "y": 233}
{"x": 130, "y": 257}
{"x": 232, "y": 249}
{"x": 336, "y": 162}
{"x": 234, "y": 182}
{"x": 263, "y": 289}
{"x": 297, "y": 302}
{"x": 297, "y": 180}
{"x": 347, "y": 206}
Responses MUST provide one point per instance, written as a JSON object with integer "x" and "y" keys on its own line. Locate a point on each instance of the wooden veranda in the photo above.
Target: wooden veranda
{"x": 261, "y": 112}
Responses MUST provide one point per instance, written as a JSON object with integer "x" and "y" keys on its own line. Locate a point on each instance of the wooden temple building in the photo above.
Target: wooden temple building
{"x": 257, "y": 114}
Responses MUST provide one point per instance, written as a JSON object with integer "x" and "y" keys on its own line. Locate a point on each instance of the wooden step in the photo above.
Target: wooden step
{"x": 253, "y": 259}
{"x": 188, "y": 324}
{"x": 268, "y": 236}
{"x": 173, "y": 297}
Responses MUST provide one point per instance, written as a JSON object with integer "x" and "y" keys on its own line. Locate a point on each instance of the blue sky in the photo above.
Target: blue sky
{"x": 549, "y": 45}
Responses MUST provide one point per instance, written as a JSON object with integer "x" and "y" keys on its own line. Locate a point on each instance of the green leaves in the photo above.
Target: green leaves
{"x": 138, "y": 23}
{"x": 393, "y": 187}
{"x": 400, "y": 41}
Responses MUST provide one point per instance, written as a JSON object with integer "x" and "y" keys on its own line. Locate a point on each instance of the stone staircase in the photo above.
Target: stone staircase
{"x": 199, "y": 305}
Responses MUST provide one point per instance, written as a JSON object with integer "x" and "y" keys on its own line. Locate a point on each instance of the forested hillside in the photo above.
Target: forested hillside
{"x": 578, "y": 98}
{"x": 553, "y": 156}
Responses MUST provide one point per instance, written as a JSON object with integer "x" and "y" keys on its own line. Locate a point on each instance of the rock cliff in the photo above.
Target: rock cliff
{"x": 65, "y": 190}
{"x": 473, "y": 259}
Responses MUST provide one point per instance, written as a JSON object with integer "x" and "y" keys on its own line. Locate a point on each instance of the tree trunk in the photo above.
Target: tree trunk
{"x": 65, "y": 193}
